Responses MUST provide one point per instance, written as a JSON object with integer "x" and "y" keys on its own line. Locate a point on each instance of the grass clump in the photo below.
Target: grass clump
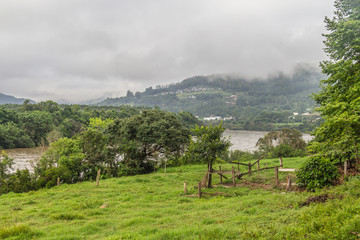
{"x": 17, "y": 232}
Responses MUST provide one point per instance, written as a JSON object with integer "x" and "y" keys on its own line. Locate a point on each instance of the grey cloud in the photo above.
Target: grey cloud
{"x": 84, "y": 49}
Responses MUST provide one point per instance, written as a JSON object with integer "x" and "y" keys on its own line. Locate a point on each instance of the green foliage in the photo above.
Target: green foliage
{"x": 145, "y": 138}
{"x": 207, "y": 145}
{"x": 30, "y": 125}
{"x": 37, "y": 124}
{"x": 130, "y": 146}
{"x": 317, "y": 172}
{"x": 98, "y": 154}
{"x": 66, "y": 155}
{"x": 284, "y": 143}
{"x": 339, "y": 97}
{"x": 6, "y": 164}
{"x": 12, "y": 136}
{"x": 21, "y": 181}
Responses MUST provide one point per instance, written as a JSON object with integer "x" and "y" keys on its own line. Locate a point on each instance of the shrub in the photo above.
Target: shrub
{"x": 316, "y": 172}
{"x": 21, "y": 181}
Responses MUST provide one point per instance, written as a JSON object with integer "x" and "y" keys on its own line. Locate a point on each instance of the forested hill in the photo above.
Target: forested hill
{"x": 4, "y": 99}
{"x": 247, "y": 102}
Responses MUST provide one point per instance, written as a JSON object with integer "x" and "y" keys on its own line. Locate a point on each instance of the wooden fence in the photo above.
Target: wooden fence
{"x": 237, "y": 175}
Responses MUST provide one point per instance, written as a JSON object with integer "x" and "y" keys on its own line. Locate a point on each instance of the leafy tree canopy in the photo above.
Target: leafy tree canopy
{"x": 146, "y": 136}
{"x": 339, "y": 97}
{"x": 206, "y": 145}
{"x": 284, "y": 143}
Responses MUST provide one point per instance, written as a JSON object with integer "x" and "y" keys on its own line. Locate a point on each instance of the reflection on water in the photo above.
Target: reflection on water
{"x": 23, "y": 157}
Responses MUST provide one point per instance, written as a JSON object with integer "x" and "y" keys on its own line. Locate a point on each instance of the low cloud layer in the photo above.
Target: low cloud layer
{"x": 84, "y": 49}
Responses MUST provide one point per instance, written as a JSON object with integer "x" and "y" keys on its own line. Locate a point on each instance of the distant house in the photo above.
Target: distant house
{"x": 227, "y": 118}
{"x": 212, "y": 118}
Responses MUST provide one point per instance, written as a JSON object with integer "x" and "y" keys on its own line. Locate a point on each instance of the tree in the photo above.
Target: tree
{"x": 207, "y": 145}
{"x": 37, "y": 124}
{"x": 144, "y": 138}
{"x": 11, "y": 136}
{"x": 98, "y": 155}
{"x": 63, "y": 159}
{"x": 339, "y": 97}
{"x": 284, "y": 143}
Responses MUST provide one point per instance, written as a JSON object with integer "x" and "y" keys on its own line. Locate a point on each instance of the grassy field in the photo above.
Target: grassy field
{"x": 153, "y": 206}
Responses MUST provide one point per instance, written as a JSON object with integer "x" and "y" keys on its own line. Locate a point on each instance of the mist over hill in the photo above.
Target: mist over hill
{"x": 234, "y": 98}
{"x": 5, "y": 99}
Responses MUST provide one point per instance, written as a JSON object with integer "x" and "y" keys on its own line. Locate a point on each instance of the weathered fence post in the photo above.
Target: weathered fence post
{"x": 185, "y": 188}
{"x": 233, "y": 177}
{"x": 249, "y": 169}
{"x": 345, "y": 167}
{"x": 58, "y": 181}
{"x": 209, "y": 175}
{"x": 220, "y": 174}
{"x": 199, "y": 190}
{"x": 276, "y": 176}
{"x": 281, "y": 162}
{"x": 258, "y": 164}
{"x": 98, "y": 177}
{"x": 288, "y": 186}
{"x": 238, "y": 168}
{"x": 266, "y": 167}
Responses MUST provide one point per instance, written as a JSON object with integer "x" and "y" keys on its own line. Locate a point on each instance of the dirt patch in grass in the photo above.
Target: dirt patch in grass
{"x": 245, "y": 183}
{"x": 316, "y": 199}
{"x": 254, "y": 185}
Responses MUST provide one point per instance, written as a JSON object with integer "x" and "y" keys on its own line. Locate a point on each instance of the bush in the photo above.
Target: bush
{"x": 316, "y": 172}
{"x": 21, "y": 181}
{"x": 285, "y": 150}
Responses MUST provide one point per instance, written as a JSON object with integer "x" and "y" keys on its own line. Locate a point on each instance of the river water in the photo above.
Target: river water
{"x": 241, "y": 140}
{"x": 24, "y": 157}
{"x": 246, "y": 140}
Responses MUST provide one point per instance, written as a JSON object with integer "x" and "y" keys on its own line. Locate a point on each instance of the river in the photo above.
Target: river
{"x": 246, "y": 140}
{"x": 241, "y": 140}
{"x": 24, "y": 157}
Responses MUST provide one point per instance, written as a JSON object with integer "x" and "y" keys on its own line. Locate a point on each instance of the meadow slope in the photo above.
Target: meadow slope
{"x": 153, "y": 206}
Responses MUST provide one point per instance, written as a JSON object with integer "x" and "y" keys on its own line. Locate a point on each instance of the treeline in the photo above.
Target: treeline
{"x": 31, "y": 125}
{"x": 136, "y": 144}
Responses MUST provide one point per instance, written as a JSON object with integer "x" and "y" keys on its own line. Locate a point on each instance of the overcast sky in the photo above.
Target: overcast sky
{"x": 77, "y": 50}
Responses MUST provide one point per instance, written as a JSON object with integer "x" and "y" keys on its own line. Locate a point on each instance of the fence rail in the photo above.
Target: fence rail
{"x": 238, "y": 175}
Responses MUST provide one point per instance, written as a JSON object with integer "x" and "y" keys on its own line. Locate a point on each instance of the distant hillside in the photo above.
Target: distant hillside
{"x": 245, "y": 102}
{"x": 10, "y": 99}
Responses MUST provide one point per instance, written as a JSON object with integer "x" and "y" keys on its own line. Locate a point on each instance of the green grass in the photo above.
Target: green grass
{"x": 153, "y": 206}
